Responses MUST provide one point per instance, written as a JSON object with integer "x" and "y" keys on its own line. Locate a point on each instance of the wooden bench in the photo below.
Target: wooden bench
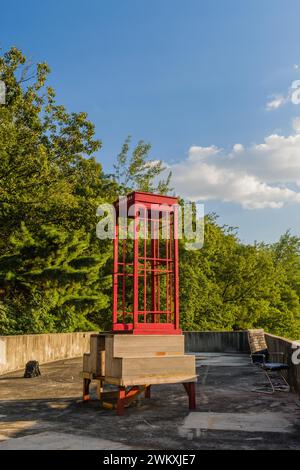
{"x": 133, "y": 363}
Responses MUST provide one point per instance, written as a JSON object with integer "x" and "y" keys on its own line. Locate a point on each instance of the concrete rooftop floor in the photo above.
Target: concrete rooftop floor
{"x": 47, "y": 412}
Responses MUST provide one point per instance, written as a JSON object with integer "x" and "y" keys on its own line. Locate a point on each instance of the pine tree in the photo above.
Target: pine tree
{"x": 52, "y": 282}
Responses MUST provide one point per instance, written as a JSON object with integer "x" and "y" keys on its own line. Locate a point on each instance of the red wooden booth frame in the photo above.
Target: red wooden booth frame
{"x": 145, "y": 273}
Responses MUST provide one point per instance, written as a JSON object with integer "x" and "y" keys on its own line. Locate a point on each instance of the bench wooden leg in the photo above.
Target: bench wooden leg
{"x": 190, "y": 388}
{"x": 99, "y": 389}
{"x": 148, "y": 392}
{"x": 86, "y": 389}
{"x": 121, "y": 401}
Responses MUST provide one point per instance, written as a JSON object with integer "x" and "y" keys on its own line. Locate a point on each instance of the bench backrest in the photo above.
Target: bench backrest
{"x": 257, "y": 341}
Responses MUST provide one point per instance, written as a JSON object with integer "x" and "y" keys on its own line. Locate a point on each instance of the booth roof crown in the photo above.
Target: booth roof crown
{"x": 139, "y": 197}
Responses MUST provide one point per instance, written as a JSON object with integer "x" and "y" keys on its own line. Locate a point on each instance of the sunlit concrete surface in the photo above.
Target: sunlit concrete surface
{"x": 271, "y": 422}
{"x": 60, "y": 441}
{"x": 47, "y": 412}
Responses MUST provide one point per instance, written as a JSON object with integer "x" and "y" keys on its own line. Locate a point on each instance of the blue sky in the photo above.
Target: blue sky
{"x": 192, "y": 77}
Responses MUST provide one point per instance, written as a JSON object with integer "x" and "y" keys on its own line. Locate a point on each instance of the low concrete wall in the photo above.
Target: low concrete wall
{"x": 216, "y": 341}
{"x": 282, "y": 345}
{"x": 15, "y": 351}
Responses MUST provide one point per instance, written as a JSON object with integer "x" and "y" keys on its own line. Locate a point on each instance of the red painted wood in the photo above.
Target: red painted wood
{"x": 145, "y": 289}
{"x": 115, "y": 274}
{"x": 121, "y": 401}
{"x": 190, "y": 388}
{"x": 86, "y": 389}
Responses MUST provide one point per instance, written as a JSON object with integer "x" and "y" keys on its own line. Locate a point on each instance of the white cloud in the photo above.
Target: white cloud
{"x": 292, "y": 96}
{"x": 296, "y": 124}
{"x": 256, "y": 177}
{"x": 238, "y": 148}
{"x": 276, "y": 102}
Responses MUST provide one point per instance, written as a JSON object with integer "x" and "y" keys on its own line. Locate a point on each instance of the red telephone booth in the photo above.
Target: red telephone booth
{"x": 145, "y": 275}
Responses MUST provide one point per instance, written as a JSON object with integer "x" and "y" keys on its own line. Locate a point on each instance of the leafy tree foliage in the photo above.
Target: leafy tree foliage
{"x": 137, "y": 171}
{"x": 51, "y": 281}
{"x": 55, "y": 273}
{"x": 227, "y": 285}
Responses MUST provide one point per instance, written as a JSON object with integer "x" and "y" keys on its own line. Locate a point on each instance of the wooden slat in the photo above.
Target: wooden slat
{"x": 158, "y": 379}
{"x": 147, "y": 345}
{"x": 97, "y": 345}
{"x": 86, "y": 363}
{"x": 151, "y": 366}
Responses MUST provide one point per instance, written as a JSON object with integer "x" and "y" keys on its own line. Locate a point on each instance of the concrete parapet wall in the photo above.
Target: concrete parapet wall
{"x": 15, "y": 351}
{"x": 216, "y": 341}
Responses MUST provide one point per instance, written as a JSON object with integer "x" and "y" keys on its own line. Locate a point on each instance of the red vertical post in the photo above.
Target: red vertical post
{"x": 136, "y": 269}
{"x": 153, "y": 278}
{"x": 115, "y": 273}
{"x": 124, "y": 278}
{"x": 157, "y": 316}
{"x": 168, "y": 277}
{"x": 168, "y": 266}
{"x": 171, "y": 255}
{"x": 176, "y": 270}
{"x": 153, "y": 265}
{"x": 145, "y": 263}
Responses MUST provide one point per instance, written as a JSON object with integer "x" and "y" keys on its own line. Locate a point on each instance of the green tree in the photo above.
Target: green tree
{"x": 48, "y": 178}
{"x": 50, "y": 281}
{"x": 227, "y": 285}
{"x": 138, "y": 172}
{"x": 50, "y": 188}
